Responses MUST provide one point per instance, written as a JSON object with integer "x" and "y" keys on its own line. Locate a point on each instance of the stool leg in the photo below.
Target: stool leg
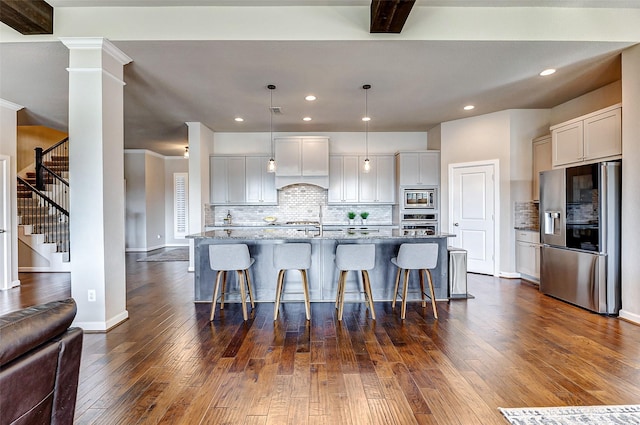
{"x": 338, "y": 291}
{"x": 341, "y": 284}
{"x": 395, "y": 291}
{"x": 248, "y": 277}
{"x": 215, "y": 295}
{"x": 421, "y": 273}
{"x": 241, "y": 283}
{"x": 278, "y": 293}
{"x": 404, "y": 294}
{"x": 367, "y": 288}
{"x": 305, "y": 287}
{"x": 433, "y": 296}
{"x": 224, "y": 289}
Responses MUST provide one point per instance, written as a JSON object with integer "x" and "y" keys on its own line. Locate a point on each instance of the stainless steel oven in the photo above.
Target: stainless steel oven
{"x": 419, "y": 198}
{"x": 419, "y": 223}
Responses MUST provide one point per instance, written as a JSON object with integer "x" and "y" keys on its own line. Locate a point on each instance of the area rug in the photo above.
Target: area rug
{"x": 177, "y": 254}
{"x": 574, "y": 415}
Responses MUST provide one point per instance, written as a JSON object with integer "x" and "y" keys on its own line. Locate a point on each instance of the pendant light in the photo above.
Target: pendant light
{"x": 186, "y": 152}
{"x": 271, "y": 165}
{"x": 367, "y": 164}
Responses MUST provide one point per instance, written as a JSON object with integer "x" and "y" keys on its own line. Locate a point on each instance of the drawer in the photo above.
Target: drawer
{"x": 527, "y": 236}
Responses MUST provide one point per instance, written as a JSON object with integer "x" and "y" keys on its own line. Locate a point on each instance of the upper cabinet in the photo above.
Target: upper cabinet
{"x": 418, "y": 168}
{"x": 378, "y": 185}
{"x": 541, "y": 162}
{"x": 349, "y": 184}
{"x": 302, "y": 160}
{"x": 590, "y": 138}
{"x": 260, "y": 185}
{"x": 240, "y": 180}
{"x": 227, "y": 180}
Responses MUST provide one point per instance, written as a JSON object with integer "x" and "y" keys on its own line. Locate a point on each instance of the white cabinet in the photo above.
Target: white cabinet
{"x": 227, "y": 180}
{"x": 343, "y": 179}
{"x": 418, "y": 168}
{"x": 260, "y": 185}
{"x": 590, "y": 138}
{"x": 541, "y": 162}
{"x": 528, "y": 255}
{"x": 378, "y": 185}
{"x": 302, "y": 156}
{"x": 349, "y": 184}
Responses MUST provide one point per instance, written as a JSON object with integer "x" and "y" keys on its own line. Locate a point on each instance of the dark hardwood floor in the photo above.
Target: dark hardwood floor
{"x": 508, "y": 347}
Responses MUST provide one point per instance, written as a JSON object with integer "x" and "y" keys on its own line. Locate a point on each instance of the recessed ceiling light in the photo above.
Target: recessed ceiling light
{"x": 468, "y": 107}
{"x": 310, "y": 98}
{"x": 548, "y": 72}
{"x": 306, "y": 119}
{"x": 366, "y": 118}
{"x": 239, "y": 119}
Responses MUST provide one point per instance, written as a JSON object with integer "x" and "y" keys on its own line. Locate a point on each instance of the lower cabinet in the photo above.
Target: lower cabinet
{"x": 528, "y": 255}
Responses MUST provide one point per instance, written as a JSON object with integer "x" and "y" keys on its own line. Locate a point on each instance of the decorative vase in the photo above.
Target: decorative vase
{"x": 350, "y": 222}
{"x": 364, "y": 221}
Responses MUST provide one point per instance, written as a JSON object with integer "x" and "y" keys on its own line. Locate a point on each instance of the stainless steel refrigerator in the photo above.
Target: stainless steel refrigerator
{"x": 580, "y": 235}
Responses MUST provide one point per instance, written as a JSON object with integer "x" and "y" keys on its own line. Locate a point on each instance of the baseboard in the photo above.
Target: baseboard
{"x": 42, "y": 270}
{"x": 103, "y": 326}
{"x": 629, "y": 317}
{"x": 176, "y": 245}
{"x": 510, "y": 275}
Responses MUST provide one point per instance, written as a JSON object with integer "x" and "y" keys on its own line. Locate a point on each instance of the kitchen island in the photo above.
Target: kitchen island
{"x": 323, "y": 275}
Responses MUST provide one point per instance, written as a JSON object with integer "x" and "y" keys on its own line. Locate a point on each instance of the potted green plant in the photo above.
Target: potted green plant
{"x": 351, "y": 216}
{"x": 363, "y": 216}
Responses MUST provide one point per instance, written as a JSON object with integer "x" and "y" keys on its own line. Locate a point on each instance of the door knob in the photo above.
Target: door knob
{"x": 456, "y": 224}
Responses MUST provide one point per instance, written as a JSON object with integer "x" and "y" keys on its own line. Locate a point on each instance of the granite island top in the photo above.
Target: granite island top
{"x": 300, "y": 232}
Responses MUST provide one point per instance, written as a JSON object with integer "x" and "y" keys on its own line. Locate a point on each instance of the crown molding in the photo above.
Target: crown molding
{"x": 96, "y": 43}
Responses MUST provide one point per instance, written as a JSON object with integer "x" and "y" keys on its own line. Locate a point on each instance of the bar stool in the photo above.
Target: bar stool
{"x": 292, "y": 256}
{"x": 229, "y": 257}
{"x": 357, "y": 257}
{"x": 415, "y": 256}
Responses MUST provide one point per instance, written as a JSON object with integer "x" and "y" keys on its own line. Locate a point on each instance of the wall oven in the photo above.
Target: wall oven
{"x": 419, "y": 224}
{"x": 419, "y": 198}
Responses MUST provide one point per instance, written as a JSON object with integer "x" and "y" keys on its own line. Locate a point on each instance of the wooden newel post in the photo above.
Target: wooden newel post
{"x": 39, "y": 170}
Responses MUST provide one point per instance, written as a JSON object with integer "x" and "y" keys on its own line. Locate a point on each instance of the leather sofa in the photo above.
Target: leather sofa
{"x": 39, "y": 364}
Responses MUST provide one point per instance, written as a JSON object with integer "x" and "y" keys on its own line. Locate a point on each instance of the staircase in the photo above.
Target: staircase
{"x": 43, "y": 212}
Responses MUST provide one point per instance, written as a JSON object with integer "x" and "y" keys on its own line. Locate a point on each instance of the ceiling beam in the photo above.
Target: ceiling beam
{"x": 389, "y": 16}
{"x": 28, "y": 17}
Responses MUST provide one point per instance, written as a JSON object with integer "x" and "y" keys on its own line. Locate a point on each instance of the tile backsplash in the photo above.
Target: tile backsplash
{"x": 296, "y": 203}
{"x": 526, "y": 215}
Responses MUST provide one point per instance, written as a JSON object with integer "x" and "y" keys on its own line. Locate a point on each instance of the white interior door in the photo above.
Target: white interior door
{"x": 472, "y": 213}
{"x": 5, "y": 242}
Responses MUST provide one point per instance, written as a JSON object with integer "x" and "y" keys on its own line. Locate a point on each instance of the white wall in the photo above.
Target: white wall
{"x": 504, "y": 136}
{"x": 339, "y": 142}
{"x": 155, "y": 191}
{"x": 587, "y": 103}
{"x": 630, "y": 178}
{"x": 172, "y": 164}
{"x": 135, "y": 206}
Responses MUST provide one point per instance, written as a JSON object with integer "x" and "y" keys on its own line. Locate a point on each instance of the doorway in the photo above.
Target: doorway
{"x": 473, "y": 211}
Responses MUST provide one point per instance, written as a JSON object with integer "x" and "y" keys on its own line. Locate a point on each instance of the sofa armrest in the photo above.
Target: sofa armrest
{"x": 23, "y": 330}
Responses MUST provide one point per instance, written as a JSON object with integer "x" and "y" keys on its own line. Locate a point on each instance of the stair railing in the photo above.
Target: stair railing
{"x": 39, "y": 211}
{"x": 45, "y": 161}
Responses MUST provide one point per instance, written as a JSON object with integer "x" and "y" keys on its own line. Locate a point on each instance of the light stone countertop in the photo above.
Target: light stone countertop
{"x": 310, "y": 232}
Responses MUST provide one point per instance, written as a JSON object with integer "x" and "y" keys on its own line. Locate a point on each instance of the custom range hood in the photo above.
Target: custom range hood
{"x": 302, "y": 160}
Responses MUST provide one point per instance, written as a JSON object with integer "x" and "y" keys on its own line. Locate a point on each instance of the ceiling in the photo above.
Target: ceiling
{"x": 415, "y": 84}
{"x": 428, "y": 3}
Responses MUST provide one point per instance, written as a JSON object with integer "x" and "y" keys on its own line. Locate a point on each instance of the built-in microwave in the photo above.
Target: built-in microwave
{"x": 414, "y": 198}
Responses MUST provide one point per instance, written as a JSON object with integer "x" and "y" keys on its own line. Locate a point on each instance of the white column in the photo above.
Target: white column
{"x": 200, "y": 146}
{"x": 8, "y": 201}
{"x": 96, "y": 182}
{"x": 630, "y": 178}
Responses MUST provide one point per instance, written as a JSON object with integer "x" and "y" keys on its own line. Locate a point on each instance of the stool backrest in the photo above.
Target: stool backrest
{"x": 418, "y": 255}
{"x": 291, "y": 256}
{"x": 229, "y": 257}
{"x": 356, "y": 257}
